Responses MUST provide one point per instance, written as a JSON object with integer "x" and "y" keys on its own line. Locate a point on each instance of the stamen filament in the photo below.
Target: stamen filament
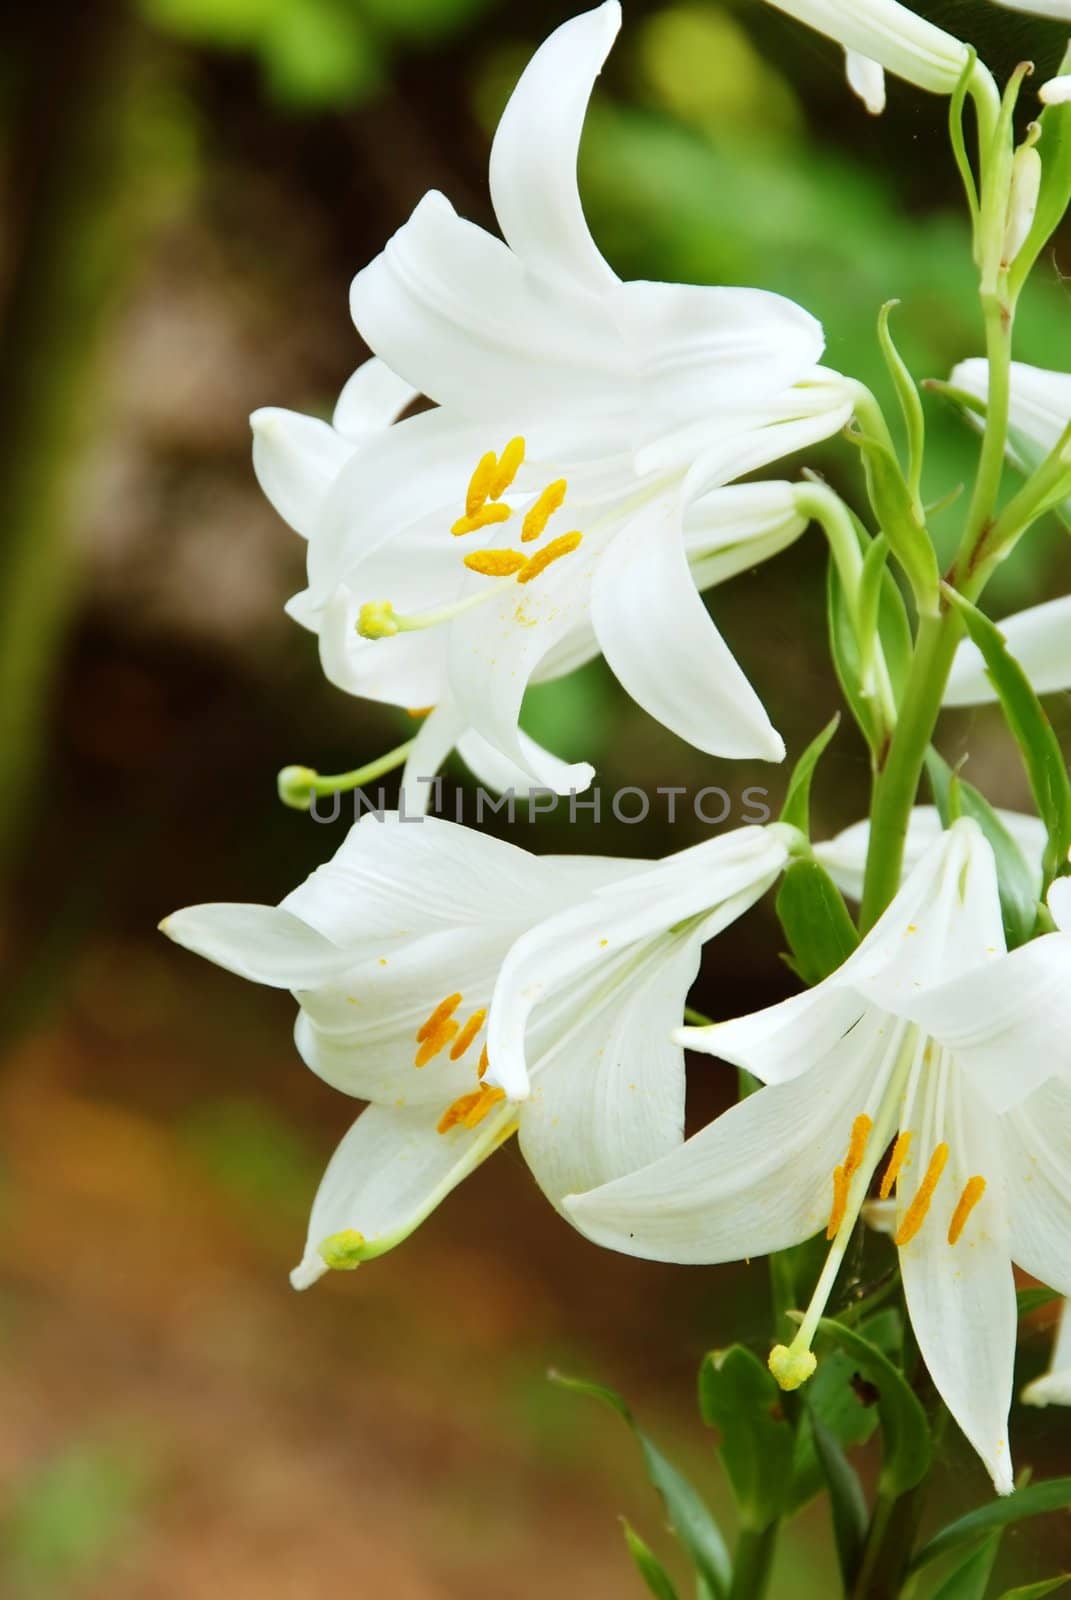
{"x": 562, "y": 546}
{"x": 973, "y": 1191}
{"x": 496, "y": 563}
{"x": 509, "y": 463}
{"x": 916, "y": 1212}
{"x": 896, "y": 1161}
{"x": 442, "y": 1013}
{"x": 483, "y": 518}
{"x": 468, "y": 1032}
{"x": 541, "y": 510}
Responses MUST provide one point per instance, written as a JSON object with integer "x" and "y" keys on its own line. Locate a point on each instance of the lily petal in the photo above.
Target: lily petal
{"x": 1039, "y": 639}
{"x": 371, "y": 400}
{"x": 296, "y": 460}
{"x": 1038, "y": 1155}
{"x": 663, "y": 646}
{"x": 390, "y": 1172}
{"x": 533, "y": 158}
{"x": 844, "y": 856}
{"x": 757, "y": 1179}
{"x": 1054, "y": 1387}
{"x": 866, "y": 78}
{"x": 265, "y": 944}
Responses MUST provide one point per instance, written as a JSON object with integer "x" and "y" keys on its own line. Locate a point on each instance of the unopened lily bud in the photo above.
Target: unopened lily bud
{"x": 1022, "y": 201}
{"x": 296, "y": 786}
{"x": 1057, "y": 92}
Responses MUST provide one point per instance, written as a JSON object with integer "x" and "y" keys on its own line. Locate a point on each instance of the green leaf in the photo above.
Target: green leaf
{"x": 971, "y": 1579}
{"x": 908, "y": 396}
{"x": 905, "y": 1432}
{"x": 1031, "y": 1300}
{"x": 688, "y": 1514}
{"x": 898, "y": 515}
{"x": 847, "y": 1502}
{"x": 816, "y": 922}
{"x": 738, "y": 1396}
{"x": 796, "y": 811}
{"x": 894, "y": 634}
{"x": 648, "y": 1565}
{"x": 1036, "y": 1500}
{"x": 1031, "y": 729}
{"x": 1034, "y": 1591}
{"x": 1019, "y": 882}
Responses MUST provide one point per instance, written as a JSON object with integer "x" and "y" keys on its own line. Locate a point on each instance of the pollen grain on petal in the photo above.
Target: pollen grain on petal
{"x": 509, "y": 463}
{"x": 541, "y": 510}
{"x": 469, "y": 1030}
{"x": 483, "y": 518}
{"x": 495, "y": 563}
{"x": 562, "y": 546}
{"x": 917, "y": 1211}
{"x": 418, "y": 713}
{"x": 896, "y": 1161}
{"x": 973, "y": 1191}
{"x": 483, "y": 1064}
{"x": 480, "y": 483}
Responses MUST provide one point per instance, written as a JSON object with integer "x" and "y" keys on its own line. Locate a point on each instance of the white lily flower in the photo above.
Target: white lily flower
{"x": 564, "y": 493}
{"x": 470, "y": 990}
{"x": 844, "y": 856}
{"x": 1053, "y": 1388}
{"x": 922, "y": 1059}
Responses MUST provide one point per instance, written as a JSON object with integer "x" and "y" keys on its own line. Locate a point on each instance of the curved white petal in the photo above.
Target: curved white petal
{"x": 844, "y": 856}
{"x": 389, "y": 1173}
{"x": 266, "y": 944}
{"x": 407, "y": 670}
{"x": 533, "y": 158}
{"x": 731, "y": 530}
{"x": 1008, "y": 1022}
{"x": 542, "y": 769}
{"x": 886, "y": 31}
{"x": 723, "y": 876}
{"x": 371, "y": 400}
{"x": 757, "y": 1179}
{"x": 609, "y": 1097}
{"x": 784, "y": 1041}
{"x": 663, "y": 646}
{"x": 296, "y": 460}
{"x": 716, "y": 450}
{"x": 1040, "y": 404}
{"x": 1039, "y": 639}
{"x": 866, "y": 79}
{"x": 1059, "y": 901}
{"x": 1054, "y": 1387}
{"x": 961, "y": 1297}
{"x": 1038, "y": 1156}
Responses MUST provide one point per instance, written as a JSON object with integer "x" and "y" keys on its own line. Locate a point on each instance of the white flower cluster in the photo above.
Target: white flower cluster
{"x": 571, "y": 491}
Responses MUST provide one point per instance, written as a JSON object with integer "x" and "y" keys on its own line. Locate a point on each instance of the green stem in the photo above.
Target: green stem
{"x": 753, "y": 1562}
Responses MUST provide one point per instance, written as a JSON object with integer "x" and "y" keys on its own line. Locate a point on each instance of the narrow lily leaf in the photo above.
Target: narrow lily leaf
{"x": 971, "y": 1578}
{"x": 908, "y": 396}
{"x": 738, "y": 1396}
{"x": 1031, "y": 730}
{"x": 820, "y": 932}
{"x": 894, "y": 635}
{"x": 843, "y": 1406}
{"x": 871, "y": 582}
{"x": 1034, "y": 1591}
{"x": 688, "y": 1515}
{"x": 898, "y": 516}
{"x": 796, "y": 810}
{"x": 1018, "y": 884}
{"x": 847, "y": 1503}
{"x": 648, "y": 1566}
{"x": 1036, "y": 1500}
{"x": 1031, "y": 1300}
{"x": 905, "y": 1432}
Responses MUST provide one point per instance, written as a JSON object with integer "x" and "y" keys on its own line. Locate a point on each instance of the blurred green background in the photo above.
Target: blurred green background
{"x": 188, "y": 187}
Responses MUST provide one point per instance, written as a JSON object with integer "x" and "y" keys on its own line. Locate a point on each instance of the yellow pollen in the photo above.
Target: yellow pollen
{"x": 495, "y": 563}
{"x": 542, "y": 559}
{"x": 484, "y": 1063}
{"x": 481, "y": 519}
{"x": 972, "y": 1193}
{"x": 540, "y": 511}
{"x": 508, "y": 465}
{"x": 436, "y": 1042}
{"x": 915, "y": 1214}
{"x": 480, "y": 483}
{"x": 896, "y": 1161}
{"x": 857, "y": 1145}
{"x": 417, "y": 712}
{"x": 840, "y": 1201}
{"x": 468, "y": 1032}
{"x": 443, "y": 1011}
{"x": 470, "y": 1109}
